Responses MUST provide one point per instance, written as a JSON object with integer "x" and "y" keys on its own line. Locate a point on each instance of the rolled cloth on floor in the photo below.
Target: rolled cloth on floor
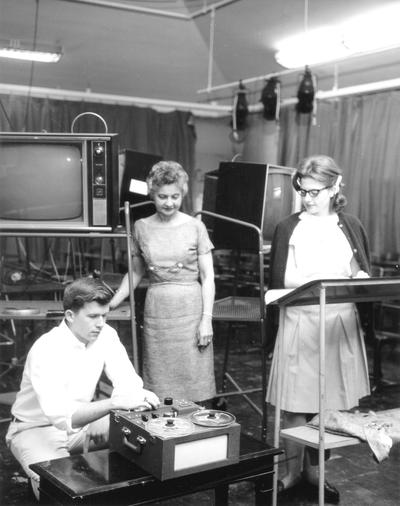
{"x": 380, "y": 430}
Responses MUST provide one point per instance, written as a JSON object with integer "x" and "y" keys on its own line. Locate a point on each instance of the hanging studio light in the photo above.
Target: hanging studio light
{"x": 240, "y": 111}
{"x": 270, "y": 98}
{"x": 306, "y": 93}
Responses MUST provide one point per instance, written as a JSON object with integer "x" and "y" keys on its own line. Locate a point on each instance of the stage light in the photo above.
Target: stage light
{"x": 240, "y": 111}
{"x": 306, "y": 93}
{"x": 270, "y": 98}
{"x": 17, "y": 50}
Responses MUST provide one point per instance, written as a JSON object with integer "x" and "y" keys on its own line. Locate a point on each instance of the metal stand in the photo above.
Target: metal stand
{"x": 245, "y": 309}
{"x": 324, "y": 292}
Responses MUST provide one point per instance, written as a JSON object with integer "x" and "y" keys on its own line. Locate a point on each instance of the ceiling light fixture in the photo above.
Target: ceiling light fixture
{"x": 306, "y": 93}
{"x": 371, "y": 32}
{"x": 240, "y": 111}
{"x": 17, "y": 50}
{"x": 270, "y": 98}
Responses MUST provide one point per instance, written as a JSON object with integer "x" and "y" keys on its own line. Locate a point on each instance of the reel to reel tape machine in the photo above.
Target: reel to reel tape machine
{"x": 176, "y": 439}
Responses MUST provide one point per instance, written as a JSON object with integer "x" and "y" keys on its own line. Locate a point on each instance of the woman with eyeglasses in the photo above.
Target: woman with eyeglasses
{"x": 320, "y": 242}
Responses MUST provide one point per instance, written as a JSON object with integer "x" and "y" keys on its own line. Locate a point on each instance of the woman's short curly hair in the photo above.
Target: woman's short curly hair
{"x": 324, "y": 169}
{"x": 167, "y": 172}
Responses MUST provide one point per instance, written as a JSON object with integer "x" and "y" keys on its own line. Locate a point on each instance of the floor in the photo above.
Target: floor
{"x": 352, "y": 470}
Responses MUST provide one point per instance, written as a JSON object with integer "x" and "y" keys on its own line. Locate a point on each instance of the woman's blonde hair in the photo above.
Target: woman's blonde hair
{"x": 167, "y": 172}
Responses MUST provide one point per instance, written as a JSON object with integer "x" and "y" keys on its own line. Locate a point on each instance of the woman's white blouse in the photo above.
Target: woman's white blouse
{"x": 320, "y": 247}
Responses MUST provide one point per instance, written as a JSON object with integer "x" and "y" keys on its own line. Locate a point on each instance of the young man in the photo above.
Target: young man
{"x": 54, "y": 414}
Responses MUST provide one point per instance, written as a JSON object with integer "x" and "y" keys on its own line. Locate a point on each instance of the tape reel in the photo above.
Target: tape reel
{"x": 212, "y": 418}
{"x": 169, "y": 427}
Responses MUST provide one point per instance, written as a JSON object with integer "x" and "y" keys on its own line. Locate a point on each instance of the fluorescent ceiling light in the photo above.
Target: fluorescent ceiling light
{"x": 18, "y": 51}
{"x": 372, "y": 32}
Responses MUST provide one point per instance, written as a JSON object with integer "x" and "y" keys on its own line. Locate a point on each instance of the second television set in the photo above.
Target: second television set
{"x": 260, "y": 194}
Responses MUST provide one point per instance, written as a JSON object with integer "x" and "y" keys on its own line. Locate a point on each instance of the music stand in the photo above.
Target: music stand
{"x": 324, "y": 292}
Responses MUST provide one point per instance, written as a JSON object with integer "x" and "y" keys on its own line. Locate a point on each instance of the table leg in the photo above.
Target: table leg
{"x": 221, "y": 494}
{"x": 263, "y": 490}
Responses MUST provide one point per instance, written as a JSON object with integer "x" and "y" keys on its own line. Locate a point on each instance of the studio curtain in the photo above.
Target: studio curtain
{"x": 361, "y": 133}
{"x": 170, "y": 135}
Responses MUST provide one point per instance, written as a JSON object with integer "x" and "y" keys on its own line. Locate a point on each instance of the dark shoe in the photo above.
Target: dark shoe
{"x": 331, "y": 494}
{"x": 292, "y": 493}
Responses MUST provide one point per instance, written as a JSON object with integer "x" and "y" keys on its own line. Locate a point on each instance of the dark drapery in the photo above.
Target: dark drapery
{"x": 170, "y": 134}
{"x": 362, "y": 134}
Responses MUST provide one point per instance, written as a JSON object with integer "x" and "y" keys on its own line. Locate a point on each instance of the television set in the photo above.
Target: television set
{"x": 260, "y": 194}
{"x": 134, "y": 186}
{"x": 58, "y": 182}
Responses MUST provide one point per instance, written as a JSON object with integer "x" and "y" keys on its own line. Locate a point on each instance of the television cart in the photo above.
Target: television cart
{"x": 125, "y": 233}
{"x": 322, "y": 292}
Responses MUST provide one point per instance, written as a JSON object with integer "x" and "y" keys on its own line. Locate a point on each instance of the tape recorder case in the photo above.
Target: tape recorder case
{"x": 177, "y": 439}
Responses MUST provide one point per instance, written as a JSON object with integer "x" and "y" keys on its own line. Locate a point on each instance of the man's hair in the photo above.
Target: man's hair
{"x": 85, "y": 290}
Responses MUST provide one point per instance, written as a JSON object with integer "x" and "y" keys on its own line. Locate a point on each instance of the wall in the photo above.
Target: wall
{"x": 214, "y": 144}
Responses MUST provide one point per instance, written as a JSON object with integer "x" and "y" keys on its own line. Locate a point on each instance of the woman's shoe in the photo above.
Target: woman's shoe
{"x": 331, "y": 493}
{"x": 292, "y": 492}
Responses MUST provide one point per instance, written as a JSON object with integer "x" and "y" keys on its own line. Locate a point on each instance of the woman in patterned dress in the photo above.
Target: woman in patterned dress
{"x": 176, "y": 252}
{"x": 321, "y": 242}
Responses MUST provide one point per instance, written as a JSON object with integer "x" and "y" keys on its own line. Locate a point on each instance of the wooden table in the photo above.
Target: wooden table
{"x": 105, "y": 477}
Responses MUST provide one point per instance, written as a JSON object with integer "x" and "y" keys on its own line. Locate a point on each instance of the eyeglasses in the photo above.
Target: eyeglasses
{"x": 313, "y": 193}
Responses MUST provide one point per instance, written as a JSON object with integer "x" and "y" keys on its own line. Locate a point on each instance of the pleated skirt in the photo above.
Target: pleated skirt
{"x": 346, "y": 375}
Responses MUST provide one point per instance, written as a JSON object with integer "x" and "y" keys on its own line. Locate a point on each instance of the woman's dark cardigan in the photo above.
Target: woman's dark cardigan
{"x": 355, "y": 233}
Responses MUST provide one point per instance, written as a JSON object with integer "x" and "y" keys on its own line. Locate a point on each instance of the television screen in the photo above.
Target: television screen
{"x": 58, "y": 181}
{"x": 41, "y": 181}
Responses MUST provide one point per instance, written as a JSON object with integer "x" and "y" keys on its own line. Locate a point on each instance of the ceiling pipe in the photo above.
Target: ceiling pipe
{"x": 132, "y": 8}
{"x": 281, "y": 73}
{"x": 200, "y": 110}
{"x": 208, "y": 110}
{"x": 359, "y": 89}
{"x": 212, "y": 7}
{"x": 154, "y": 12}
{"x": 211, "y": 49}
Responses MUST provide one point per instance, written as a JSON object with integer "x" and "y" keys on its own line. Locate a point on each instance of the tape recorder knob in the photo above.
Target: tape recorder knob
{"x": 126, "y": 431}
{"x": 168, "y": 401}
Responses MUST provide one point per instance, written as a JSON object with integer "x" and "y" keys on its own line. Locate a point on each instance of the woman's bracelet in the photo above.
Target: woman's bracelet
{"x": 207, "y": 314}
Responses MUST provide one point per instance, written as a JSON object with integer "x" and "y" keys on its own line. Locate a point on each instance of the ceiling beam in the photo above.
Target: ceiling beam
{"x": 198, "y": 109}
{"x": 154, "y": 12}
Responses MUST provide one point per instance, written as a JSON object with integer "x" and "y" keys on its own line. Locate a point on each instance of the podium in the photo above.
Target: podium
{"x": 323, "y": 292}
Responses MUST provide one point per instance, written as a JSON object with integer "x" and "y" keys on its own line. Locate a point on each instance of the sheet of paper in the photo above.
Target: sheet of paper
{"x": 273, "y": 295}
